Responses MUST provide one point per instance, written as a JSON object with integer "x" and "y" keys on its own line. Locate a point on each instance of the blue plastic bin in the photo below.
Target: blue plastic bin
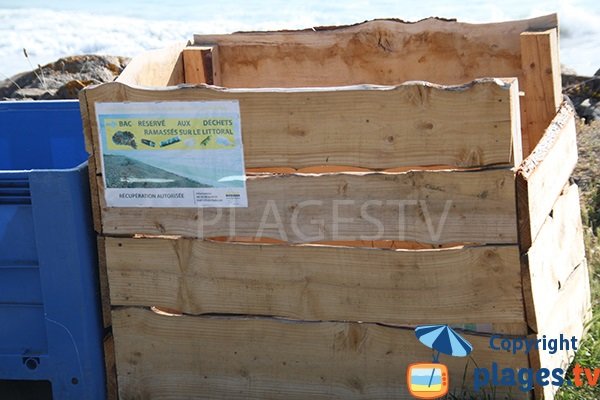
{"x": 50, "y": 321}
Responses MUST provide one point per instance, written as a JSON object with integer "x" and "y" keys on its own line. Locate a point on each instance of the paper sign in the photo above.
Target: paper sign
{"x": 172, "y": 154}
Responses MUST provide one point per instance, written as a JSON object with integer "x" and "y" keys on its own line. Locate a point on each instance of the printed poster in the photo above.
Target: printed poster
{"x": 172, "y": 154}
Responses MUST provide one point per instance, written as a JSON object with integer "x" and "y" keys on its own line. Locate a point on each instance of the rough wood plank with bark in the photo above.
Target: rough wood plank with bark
{"x": 374, "y": 127}
{"x": 471, "y": 285}
{"x": 422, "y": 206}
{"x": 257, "y": 358}
{"x": 571, "y": 311}
{"x": 542, "y": 176}
{"x": 553, "y": 256}
{"x": 384, "y": 52}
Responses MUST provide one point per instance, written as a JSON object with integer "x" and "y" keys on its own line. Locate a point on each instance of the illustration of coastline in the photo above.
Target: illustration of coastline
{"x": 125, "y": 172}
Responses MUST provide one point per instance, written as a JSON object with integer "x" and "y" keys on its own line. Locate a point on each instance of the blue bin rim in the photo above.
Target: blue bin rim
{"x": 29, "y": 102}
{"x": 17, "y": 107}
{"x": 8, "y": 172}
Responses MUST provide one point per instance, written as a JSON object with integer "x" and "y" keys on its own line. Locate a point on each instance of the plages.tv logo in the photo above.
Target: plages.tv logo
{"x": 429, "y": 380}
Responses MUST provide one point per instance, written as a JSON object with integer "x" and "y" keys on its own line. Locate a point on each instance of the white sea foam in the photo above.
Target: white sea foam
{"x": 130, "y": 27}
{"x": 48, "y": 34}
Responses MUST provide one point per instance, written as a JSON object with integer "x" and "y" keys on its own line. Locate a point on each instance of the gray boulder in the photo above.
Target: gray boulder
{"x": 584, "y": 92}
{"x": 62, "y": 79}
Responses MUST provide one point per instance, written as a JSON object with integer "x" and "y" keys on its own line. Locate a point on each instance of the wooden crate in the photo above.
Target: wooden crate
{"x": 306, "y": 309}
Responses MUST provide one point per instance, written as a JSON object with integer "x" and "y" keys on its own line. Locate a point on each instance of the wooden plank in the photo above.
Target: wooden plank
{"x": 197, "y": 63}
{"x": 558, "y": 301}
{"x": 257, "y": 358}
{"x": 92, "y": 167}
{"x": 542, "y": 176}
{"x": 472, "y": 285}
{"x": 422, "y": 206}
{"x": 541, "y": 83}
{"x": 86, "y": 122}
{"x": 571, "y": 312}
{"x": 216, "y": 66}
{"x": 103, "y": 281}
{"x": 373, "y": 127}
{"x": 573, "y": 306}
{"x": 384, "y": 52}
{"x": 156, "y": 68}
{"x": 111, "y": 368}
{"x": 95, "y": 195}
{"x": 555, "y": 253}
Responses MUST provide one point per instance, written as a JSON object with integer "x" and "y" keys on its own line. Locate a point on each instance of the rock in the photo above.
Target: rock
{"x": 70, "y": 90}
{"x": 584, "y": 92}
{"x": 570, "y": 80}
{"x": 62, "y": 79}
{"x": 589, "y": 112}
{"x": 30, "y": 93}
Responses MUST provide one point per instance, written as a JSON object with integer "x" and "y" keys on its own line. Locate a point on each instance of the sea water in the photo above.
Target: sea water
{"x": 53, "y": 29}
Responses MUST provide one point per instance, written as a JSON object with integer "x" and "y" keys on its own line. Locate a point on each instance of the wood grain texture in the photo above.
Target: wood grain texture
{"x": 86, "y": 123}
{"x": 541, "y": 83}
{"x": 542, "y": 176}
{"x": 422, "y": 206}
{"x": 573, "y": 304}
{"x": 105, "y": 302}
{"x": 555, "y": 253}
{"x": 216, "y": 66}
{"x": 95, "y": 195}
{"x": 257, "y": 358}
{"x": 156, "y": 68}
{"x": 197, "y": 63}
{"x": 556, "y": 284}
{"x": 374, "y": 127}
{"x": 112, "y": 391}
{"x": 571, "y": 312}
{"x": 471, "y": 285}
{"x": 378, "y": 52}
{"x": 92, "y": 167}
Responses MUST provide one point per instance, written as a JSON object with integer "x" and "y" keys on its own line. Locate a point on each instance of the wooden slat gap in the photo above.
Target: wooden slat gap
{"x": 172, "y": 313}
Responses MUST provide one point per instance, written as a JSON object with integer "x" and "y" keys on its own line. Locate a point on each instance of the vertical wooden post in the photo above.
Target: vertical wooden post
{"x": 217, "y": 77}
{"x": 112, "y": 391}
{"x": 198, "y": 64}
{"x": 541, "y": 84}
